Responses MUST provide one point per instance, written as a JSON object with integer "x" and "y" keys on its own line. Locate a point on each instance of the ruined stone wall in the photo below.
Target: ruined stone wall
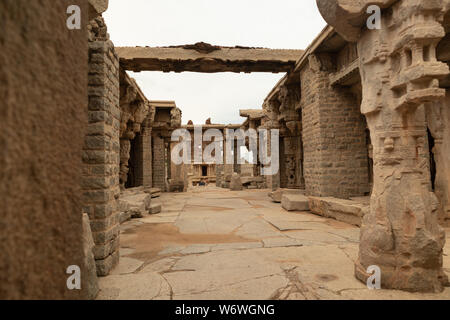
{"x": 101, "y": 150}
{"x": 334, "y": 138}
{"x": 159, "y": 163}
{"x": 43, "y": 94}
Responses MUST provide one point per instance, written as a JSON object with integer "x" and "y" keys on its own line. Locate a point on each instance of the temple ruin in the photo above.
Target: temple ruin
{"x": 364, "y": 139}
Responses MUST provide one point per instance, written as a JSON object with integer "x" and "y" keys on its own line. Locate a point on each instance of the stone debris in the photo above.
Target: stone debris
{"x": 136, "y": 205}
{"x": 155, "y": 207}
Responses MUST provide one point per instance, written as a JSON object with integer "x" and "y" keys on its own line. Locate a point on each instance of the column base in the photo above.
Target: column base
{"x": 406, "y": 278}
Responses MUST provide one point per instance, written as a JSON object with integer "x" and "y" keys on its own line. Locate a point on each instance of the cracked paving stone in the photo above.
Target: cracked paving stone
{"x": 234, "y": 248}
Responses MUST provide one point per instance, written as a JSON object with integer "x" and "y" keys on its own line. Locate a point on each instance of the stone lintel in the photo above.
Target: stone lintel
{"x": 252, "y": 114}
{"x": 207, "y": 59}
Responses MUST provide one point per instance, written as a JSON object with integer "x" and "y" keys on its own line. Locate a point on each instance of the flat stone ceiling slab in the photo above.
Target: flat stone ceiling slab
{"x": 203, "y": 57}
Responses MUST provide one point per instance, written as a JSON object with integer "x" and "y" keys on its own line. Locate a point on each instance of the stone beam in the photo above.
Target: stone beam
{"x": 252, "y": 114}
{"x": 206, "y": 58}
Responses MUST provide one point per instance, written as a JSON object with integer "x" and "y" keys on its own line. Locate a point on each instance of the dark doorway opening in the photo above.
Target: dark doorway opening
{"x": 204, "y": 171}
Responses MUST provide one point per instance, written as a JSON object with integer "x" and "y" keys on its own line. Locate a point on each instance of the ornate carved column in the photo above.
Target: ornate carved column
{"x": 400, "y": 74}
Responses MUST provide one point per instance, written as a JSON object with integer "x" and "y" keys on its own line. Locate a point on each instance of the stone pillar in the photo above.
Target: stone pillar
{"x": 221, "y": 167}
{"x": 101, "y": 151}
{"x": 159, "y": 162}
{"x": 399, "y": 71}
{"x": 144, "y": 177}
{"x": 228, "y": 167}
{"x": 271, "y": 122}
{"x": 291, "y": 173}
{"x": 236, "y": 156}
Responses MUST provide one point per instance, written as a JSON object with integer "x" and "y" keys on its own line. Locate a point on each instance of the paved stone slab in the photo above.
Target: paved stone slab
{"x": 127, "y": 265}
{"x": 244, "y": 251}
{"x": 142, "y": 286}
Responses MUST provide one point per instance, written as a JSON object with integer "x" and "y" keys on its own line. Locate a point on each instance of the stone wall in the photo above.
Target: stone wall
{"x": 101, "y": 150}
{"x": 335, "y": 151}
{"x": 43, "y": 93}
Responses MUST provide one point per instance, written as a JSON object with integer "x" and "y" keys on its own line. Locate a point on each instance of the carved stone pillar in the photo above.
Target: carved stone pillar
{"x": 400, "y": 73}
{"x": 290, "y": 159}
{"x": 271, "y": 111}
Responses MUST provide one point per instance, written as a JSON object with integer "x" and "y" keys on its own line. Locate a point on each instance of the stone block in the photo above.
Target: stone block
{"x": 236, "y": 183}
{"x": 155, "y": 207}
{"x": 277, "y": 195}
{"x": 295, "y": 202}
{"x": 348, "y": 211}
{"x": 105, "y": 266}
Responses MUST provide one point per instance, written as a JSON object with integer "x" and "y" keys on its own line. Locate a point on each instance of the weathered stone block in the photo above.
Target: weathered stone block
{"x": 347, "y": 211}
{"x": 236, "y": 183}
{"x": 277, "y": 195}
{"x": 156, "y": 207}
{"x": 295, "y": 202}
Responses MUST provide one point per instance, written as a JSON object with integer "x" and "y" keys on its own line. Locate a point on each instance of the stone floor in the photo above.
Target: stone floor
{"x": 216, "y": 244}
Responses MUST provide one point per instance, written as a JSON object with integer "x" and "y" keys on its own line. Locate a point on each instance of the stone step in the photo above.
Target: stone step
{"x": 134, "y": 205}
{"x": 348, "y": 211}
{"x": 277, "y": 195}
{"x": 295, "y": 202}
{"x": 155, "y": 192}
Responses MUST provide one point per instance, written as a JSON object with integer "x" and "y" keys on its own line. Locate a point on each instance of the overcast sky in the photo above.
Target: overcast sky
{"x": 276, "y": 24}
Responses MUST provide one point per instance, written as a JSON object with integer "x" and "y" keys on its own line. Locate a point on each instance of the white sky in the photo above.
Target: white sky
{"x": 286, "y": 24}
